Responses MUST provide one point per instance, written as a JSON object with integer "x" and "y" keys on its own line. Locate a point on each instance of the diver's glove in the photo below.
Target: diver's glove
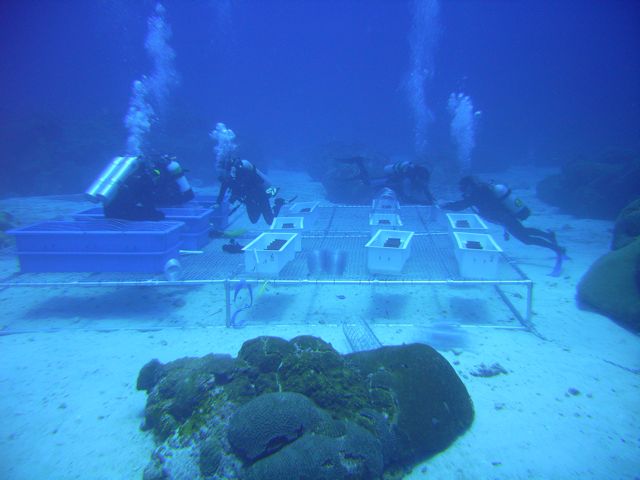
{"x": 272, "y": 191}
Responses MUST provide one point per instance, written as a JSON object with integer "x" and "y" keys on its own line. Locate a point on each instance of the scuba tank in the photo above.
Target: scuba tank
{"x": 509, "y": 201}
{"x": 398, "y": 168}
{"x": 386, "y": 201}
{"x": 175, "y": 170}
{"x": 104, "y": 188}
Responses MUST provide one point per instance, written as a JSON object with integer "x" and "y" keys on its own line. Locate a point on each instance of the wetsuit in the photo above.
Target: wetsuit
{"x": 484, "y": 201}
{"x": 248, "y": 186}
{"x": 143, "y": 191}
{"x": 409, "y": 181}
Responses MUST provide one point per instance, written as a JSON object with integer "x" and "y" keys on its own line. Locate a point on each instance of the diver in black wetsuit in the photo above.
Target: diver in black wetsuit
{"x": 496, "y": 204}
{"x": 251, "y": 187}
{"x": 153, "y": 181}
{"x": 409, "y": 180}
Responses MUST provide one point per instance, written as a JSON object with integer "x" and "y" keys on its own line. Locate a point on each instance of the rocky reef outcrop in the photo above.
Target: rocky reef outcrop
{"x": 7, "y": 222}
{"x": 612, "y": 284}
{"x": 627, "y": 227}
{"x": 300, "y": 410}
{"x": 594, "y": 189}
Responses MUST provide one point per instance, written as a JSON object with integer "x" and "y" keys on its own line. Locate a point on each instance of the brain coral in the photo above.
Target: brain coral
{"x": 270, "y": 421}
{"x": 356, "y": 455}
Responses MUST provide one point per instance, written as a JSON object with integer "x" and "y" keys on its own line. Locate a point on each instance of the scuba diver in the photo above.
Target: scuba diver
{"x": 497, "y": 204}
{"x": 251, "y": 187}
{"x": 409, "y": 180}
{"x": 132, "y": 187}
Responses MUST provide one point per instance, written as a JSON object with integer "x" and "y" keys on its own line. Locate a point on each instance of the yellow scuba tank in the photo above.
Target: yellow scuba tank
{"x": 511, "y": 202}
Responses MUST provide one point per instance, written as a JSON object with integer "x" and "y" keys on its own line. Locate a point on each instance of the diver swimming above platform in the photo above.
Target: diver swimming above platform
{"x": 497, "y": 204}
{"x": 246, "y": 184}
{"x": 132, "y": 187}
{"x": 409, "y": 180}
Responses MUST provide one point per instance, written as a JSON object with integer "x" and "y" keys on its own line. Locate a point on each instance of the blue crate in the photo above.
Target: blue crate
{"x": 220, "y": 214}
{"x": 139, "y": 262}
{"x": 98, "y": 236}
{"x": 207, "y": 201}
{"x": 194, "y": 241}
{"x": 220, "y": 217}
{"x": 196, "y": 219}
{"x": 91, "y": 213}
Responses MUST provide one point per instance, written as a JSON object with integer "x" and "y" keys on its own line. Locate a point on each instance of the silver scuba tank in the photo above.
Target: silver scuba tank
{"x": 175, "y": 170}
{"x": 104, "y": 188}
{"x": 397, "y": 168}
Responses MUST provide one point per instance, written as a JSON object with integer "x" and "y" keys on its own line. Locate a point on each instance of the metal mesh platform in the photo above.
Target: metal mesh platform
{"x": 342, "y": 228}
{"x": 337, "y": 228}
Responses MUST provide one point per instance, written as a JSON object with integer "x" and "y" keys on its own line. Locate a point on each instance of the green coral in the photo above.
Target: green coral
{"x": 612, "y": 285}
{"x": 405, "y": 403}
{"x": 421, "y": 395}
{"x": 178, "y": 389}
{"x": 306, "y": 365}
{"x": 265, "y": 353}
{"x": 210, "y": 456}
{"x": 627, "y": 227}
{"x": 7, "y": 221}
{"x": 319, "y": 372}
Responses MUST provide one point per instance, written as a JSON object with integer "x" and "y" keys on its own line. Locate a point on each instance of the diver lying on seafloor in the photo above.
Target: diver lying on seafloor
{"x": 248, "y": 185}
{"x": 497, "y": 204}
{"x": 409, "y": 180}
{"x": 132, "y": 187}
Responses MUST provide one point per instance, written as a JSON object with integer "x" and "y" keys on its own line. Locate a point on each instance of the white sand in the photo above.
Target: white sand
{"x": 71, "y": 411}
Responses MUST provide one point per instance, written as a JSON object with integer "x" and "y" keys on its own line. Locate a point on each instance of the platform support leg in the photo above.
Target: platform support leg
{"x": 227, "y": 303}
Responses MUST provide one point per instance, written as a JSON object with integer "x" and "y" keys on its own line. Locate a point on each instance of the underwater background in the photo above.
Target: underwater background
{"x": 554, "y": 80}
{"x": 431, "y": 362}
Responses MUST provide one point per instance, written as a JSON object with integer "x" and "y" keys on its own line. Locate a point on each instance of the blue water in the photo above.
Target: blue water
{"x": 554, "y": 80}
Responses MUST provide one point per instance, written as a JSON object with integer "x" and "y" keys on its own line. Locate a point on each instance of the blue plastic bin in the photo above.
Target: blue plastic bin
{"x": 139, "y": 262}
{"x": 194, "y": 236}
{"x": 97, "y": 246}
{"x": 219, "y": 216}
{"x": 206, "y": 201}
{"x": 194, "y": 241}
{"x": 195, "y": 219}
{"x": 106, "y": 235}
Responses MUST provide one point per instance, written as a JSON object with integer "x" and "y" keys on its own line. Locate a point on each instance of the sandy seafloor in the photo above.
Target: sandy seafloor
{"x": 69, "y": 358}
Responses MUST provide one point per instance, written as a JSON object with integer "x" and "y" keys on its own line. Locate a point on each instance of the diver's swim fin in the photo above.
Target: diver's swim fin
{"x": 557, "y": 268}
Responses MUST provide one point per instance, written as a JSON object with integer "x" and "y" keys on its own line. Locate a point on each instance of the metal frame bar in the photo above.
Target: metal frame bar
{"x": 524, "y": 319}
